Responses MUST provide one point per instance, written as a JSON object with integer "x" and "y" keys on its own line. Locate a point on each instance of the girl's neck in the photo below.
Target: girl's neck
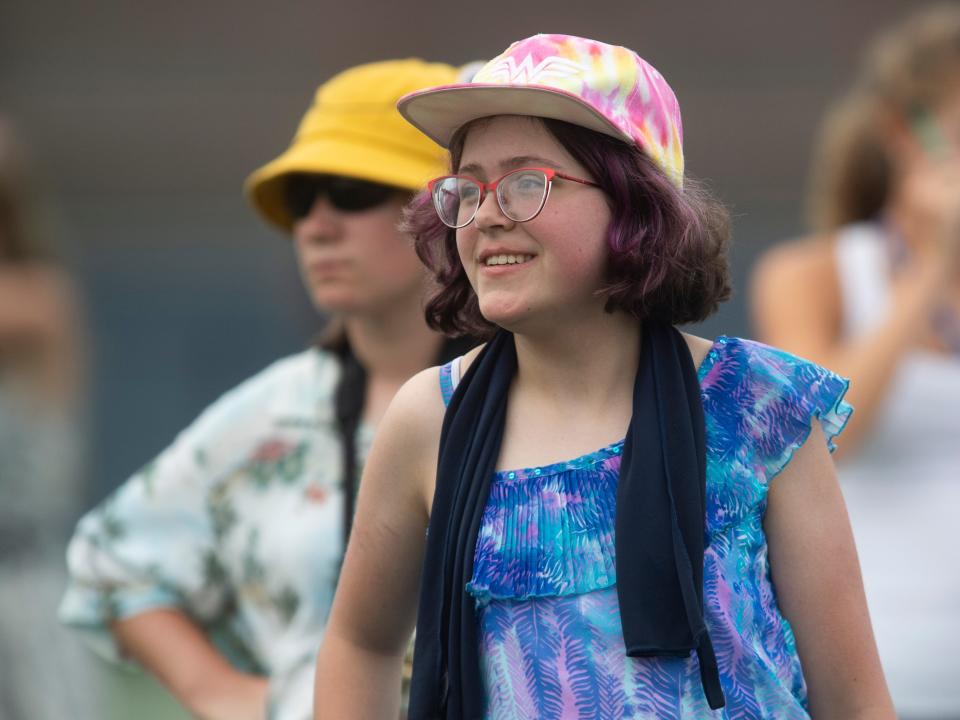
{"x": 573, "y": 392}
{"x": 586, "y": 364}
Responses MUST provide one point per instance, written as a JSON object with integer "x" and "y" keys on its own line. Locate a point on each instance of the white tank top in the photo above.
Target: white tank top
{"x": 903, "y": 493}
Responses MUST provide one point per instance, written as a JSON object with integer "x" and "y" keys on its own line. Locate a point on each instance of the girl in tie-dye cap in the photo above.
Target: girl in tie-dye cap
{"x": 602, "y": 517}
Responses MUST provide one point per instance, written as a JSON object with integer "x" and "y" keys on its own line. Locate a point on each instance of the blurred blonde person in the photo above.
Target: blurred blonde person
{"x": 875, "y": 295}
{"x": 41, "y": 475}
{"x": 214, "y": 567}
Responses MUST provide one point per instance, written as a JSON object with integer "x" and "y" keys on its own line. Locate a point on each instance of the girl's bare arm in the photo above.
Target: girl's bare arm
{"x": 359, "y": 665}
{"x": 816, "y": 573}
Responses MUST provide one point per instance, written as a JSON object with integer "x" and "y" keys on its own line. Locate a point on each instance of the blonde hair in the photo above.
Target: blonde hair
{"x": 909, "y": 69}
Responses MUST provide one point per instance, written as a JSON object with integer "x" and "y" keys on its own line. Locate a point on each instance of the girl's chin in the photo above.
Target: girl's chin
{"x": 509, "y": 318}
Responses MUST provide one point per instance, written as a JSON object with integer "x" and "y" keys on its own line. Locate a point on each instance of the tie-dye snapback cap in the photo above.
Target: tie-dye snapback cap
{"x": 606, "y": 88}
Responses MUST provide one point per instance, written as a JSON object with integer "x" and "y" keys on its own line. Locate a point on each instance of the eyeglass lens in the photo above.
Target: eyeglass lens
{"x": 520, "y": 194}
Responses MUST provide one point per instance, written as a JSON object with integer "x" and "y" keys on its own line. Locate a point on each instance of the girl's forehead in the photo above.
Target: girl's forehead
{"x": 490, "y": 141}
{"x": 505, "y": 128}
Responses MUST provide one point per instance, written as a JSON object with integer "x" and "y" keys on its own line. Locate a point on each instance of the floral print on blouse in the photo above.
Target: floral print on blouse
{"x": 238, "y": 524}
{"x": 544, "y": 575}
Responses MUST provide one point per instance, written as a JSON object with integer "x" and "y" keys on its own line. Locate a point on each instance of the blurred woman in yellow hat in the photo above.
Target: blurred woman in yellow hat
{"x": 214, "y": 567}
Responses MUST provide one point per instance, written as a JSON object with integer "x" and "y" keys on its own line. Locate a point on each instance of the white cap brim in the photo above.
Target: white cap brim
{"x": 440, "y": 112}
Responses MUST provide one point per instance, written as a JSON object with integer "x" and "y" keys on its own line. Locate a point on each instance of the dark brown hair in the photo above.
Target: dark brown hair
{"x": 667, "y": 247}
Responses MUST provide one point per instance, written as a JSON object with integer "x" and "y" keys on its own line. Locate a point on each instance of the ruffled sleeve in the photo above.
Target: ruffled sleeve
{"x": 787, "y": 397}
{"x": 153, "y": 543}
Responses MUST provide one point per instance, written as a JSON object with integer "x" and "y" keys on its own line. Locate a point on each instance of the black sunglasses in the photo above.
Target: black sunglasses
{"x": 345, "y": 194}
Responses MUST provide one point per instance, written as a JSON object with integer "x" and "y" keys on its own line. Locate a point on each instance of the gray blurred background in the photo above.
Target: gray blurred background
{"x": 144, "y": 119}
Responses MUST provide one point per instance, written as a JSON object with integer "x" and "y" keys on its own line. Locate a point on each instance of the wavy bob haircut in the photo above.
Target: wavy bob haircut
{"x": 667, "y": 247}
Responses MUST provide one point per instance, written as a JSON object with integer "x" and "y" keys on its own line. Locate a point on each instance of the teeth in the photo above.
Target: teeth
{"x": 507, "y": 259}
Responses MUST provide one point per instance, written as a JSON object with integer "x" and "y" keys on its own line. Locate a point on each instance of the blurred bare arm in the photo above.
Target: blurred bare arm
{"x": 814, "y": 566}
{"x": 177, "y": 652}
{"x": 359, "y": 665}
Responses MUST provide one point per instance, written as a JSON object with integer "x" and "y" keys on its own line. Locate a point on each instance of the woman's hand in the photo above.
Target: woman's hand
{"x": 178, "y": 653}
{"x": 232, "y": 696}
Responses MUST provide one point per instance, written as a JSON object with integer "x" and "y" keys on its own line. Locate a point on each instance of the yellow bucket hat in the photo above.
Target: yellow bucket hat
{"x": 354, "y": 129}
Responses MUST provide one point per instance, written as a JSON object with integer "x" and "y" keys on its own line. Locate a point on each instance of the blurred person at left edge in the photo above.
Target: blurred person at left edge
{"x": 42, "y": 374}
{"x": 214, "y": 567}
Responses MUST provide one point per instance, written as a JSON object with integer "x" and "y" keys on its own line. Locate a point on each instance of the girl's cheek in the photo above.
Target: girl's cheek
{"x": 465, "y": 246}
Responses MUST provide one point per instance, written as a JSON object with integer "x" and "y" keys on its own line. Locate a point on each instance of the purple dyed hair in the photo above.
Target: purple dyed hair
{"x": 668, "y": 247}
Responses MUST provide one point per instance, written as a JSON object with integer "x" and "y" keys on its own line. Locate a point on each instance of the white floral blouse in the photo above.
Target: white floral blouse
{"x": 238, "y": 524}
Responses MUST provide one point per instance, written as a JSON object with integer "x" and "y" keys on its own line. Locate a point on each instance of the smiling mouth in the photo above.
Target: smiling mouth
{"x": 507, "y": 260}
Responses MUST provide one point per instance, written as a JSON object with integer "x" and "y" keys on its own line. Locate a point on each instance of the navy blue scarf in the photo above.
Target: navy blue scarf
{"x": 659, "y": 524}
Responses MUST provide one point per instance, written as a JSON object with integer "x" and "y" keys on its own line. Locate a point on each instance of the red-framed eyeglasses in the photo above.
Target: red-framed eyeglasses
{"x": 521, "y": 194}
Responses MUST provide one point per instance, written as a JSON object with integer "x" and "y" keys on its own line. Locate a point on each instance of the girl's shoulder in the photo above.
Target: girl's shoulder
{"x": 699, "y": 348}
{"x": 416, "y": 412}
{"x": 464, "y": 362}
{"x": 407, "y": 442}
{"x": 451, "y": 372}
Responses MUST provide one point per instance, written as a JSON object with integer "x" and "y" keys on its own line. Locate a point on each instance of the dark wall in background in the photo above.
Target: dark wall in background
{"x": 144, "y": 119}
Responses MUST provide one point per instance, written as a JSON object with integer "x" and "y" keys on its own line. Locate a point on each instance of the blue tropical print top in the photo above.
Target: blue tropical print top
{"x": 544, "y": 575}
